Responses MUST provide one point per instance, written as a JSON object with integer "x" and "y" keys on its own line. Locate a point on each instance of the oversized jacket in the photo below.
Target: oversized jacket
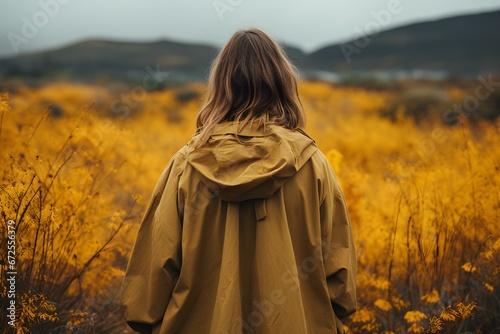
{"x": 249, "y": 233}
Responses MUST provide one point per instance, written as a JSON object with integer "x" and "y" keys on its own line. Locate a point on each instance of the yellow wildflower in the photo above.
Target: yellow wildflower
{"x": 414, "y": 328}
{"x": 469, "y": 267}
{"x": 435, "y": 325}
{"x": 431, "y": 297}
{"x": 466, "y": 309}
{"x": 137, "y": 198}
{"x": 414, "y": 316}
{"x": 449, "y": 314}
{"x": 4, "y": 105}
{"x": 363, "y": 315}
{"x": 383, "y": 304}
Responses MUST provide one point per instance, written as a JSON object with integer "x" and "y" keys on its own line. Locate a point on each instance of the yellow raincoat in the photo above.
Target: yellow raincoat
{"x": 247, "y": 234}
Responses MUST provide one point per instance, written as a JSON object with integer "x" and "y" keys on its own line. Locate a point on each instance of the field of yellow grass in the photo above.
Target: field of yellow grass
{"x": 79, "y": 162}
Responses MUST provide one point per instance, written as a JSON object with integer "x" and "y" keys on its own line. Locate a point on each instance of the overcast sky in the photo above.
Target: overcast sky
{"x": 28, "y": 26}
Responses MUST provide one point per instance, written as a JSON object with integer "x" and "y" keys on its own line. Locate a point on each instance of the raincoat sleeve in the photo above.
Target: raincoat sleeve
{"x": 155, "y": 261}
{"x": 339, "y": 255}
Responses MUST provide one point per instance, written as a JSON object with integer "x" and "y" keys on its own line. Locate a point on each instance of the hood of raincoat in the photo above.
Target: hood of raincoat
{"x": 249, "y": 162}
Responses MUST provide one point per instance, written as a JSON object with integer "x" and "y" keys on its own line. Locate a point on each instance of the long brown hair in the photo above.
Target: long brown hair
{"x": 251, "y": 79}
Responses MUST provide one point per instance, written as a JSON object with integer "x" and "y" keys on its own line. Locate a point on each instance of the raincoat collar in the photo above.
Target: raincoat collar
{"x": 251, "y": 129}
{"x": 250, "y": 162}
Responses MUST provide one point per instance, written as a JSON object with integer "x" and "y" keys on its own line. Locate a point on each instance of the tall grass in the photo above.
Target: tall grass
{"x": 424, "y": 199}
{"x": 64, "y": 227}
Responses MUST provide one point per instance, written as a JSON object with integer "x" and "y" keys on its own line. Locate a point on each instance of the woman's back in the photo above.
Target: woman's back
{"x": 247, "y": 232}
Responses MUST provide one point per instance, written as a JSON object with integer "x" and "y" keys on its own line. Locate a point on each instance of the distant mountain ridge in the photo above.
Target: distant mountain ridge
{"x": 462, "y": 45}
{"x": 93, "y": 58}
{"x": 459, "y": 45}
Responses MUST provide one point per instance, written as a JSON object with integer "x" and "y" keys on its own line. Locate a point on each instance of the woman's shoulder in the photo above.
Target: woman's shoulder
{"x": 176, "y": 164}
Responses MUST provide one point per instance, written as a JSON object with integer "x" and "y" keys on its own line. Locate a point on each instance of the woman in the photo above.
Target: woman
{"x": 247, "y": 230}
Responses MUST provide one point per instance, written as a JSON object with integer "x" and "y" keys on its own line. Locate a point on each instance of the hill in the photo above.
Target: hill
{"x": 463, "y": 45}
{"x": 458, "y": 45}
{"x": 94, "y": 58}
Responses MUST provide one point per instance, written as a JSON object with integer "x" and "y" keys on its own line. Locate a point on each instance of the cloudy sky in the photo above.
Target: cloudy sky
{"x": 28, "y": 26}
